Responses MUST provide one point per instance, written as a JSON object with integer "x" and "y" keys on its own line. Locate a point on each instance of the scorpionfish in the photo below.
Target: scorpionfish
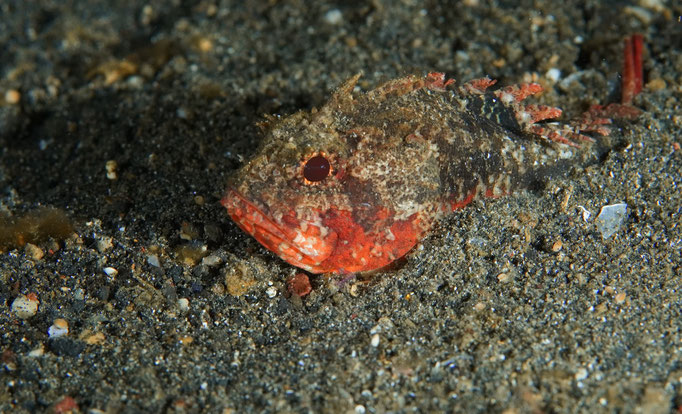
{"x": 354, "y": 185}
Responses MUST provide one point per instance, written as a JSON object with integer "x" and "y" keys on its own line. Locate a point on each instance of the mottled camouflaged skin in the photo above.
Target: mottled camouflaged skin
{"x": 401, "y": 156}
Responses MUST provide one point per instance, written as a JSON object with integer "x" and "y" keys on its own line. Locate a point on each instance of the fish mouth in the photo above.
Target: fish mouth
{"x": 302, "y": 243}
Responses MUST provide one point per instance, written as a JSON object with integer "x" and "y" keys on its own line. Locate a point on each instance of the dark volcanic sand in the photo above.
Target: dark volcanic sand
{"x": 513, "y": 305}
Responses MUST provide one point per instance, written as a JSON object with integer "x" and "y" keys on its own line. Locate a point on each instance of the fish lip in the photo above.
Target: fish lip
{"x": 250, "y": 218}
{"x": 230, "y": 202}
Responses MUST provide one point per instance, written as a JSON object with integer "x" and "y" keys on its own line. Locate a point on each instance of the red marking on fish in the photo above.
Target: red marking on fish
{"x": 355, "y": 185}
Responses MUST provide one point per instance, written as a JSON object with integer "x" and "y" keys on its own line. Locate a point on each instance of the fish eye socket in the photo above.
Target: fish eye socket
{"x": 316, "y": 169}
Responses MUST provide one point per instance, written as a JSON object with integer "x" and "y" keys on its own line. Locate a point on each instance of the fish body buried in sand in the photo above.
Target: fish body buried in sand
{"x": 356, "y": 184}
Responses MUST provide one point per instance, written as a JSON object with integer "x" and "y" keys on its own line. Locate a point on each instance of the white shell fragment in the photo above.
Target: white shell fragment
{"x": 60, "y": 327}
{"x": 610, "y": 219}
{"x": 586, "y": 213}
{"x": 24, "y": 307}
{"x": 183, "y": 304}
{"x": 110, "y": 271}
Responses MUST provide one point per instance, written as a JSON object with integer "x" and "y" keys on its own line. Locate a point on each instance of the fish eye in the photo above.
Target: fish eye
{"x": 316, "y": 169}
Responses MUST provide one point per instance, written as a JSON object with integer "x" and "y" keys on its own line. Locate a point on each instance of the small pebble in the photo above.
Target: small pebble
{"x": 60, "y": 327}
{"x": 153, "y": 260}
{"x": 656, "y": 84}
{"x": 37, "y": 351}
{"x": 503, "y": 277}
{"x": 111, "y": 167}
{"x": 581, "y": 374}
{"x": 557, "y": 246}
{"x": 135, "y": 81}
{"x": 182, "y": 113}
{"x": 205, "y": 45}
{"x": 66, "y": 405}
{"x": 211, "y": 261}
{"x": 25, "y": 306}
{"x": 333, "y": 16}
{"x": 183, "y": 304}
{"x": 620, "y": 298}
{"x": 110, "y": 271}
{"x": 271, "y": 292}
{"x": 104, "y": 244}
{"x": 299, "y": 285}
{"x": 611, "y": 218}
{"x": 553, "y": 74}
{"x": 375, "y": 340}
{"x": 12, "y": 96}
{"x": 94, "y": 338}
{"x": 33, "y": 251}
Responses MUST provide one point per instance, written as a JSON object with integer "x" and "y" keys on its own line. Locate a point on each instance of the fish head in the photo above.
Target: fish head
{"x": 326, "y": 190}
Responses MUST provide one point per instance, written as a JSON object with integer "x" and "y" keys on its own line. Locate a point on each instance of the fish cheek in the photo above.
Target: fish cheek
{"x": 365, "y": 203}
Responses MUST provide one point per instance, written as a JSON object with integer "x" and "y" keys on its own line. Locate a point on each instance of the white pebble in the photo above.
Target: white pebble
{"x": 60, "y": 327}
{"x": 553, "y": 74}
{"x": 271, "y": 292}
{"x": 375, "y": 340}
{"x": 110, "y": 271}
{"x": 211, "y": 261}
{"x": 581, "y": 374}
{"x": 333, "y": 16}
{"x": 183, "y": 304}
{"x": 37, "y": 352}
{"x": 153, "y": 260}
{"x": 25, "y": 307}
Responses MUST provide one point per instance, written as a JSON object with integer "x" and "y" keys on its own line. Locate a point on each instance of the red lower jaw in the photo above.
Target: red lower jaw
{"x": 334, "y": 243}
{"x": 301, "y": 245}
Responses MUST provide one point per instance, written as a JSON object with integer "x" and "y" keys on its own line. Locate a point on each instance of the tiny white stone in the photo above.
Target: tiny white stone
{"x": 183, "y": 304}
{"x": 375, "y": 340}
{"x": 211, "y": 260}
{"x": 333, "y": 16}
{"x": 271, "y": 292}
{"x": 110, "y": 271}
{"x": 553, "y": 74}
{"x": 360, "y": 409}
{"x": 581, "y": 374}
{"x": 37, "y": 352}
